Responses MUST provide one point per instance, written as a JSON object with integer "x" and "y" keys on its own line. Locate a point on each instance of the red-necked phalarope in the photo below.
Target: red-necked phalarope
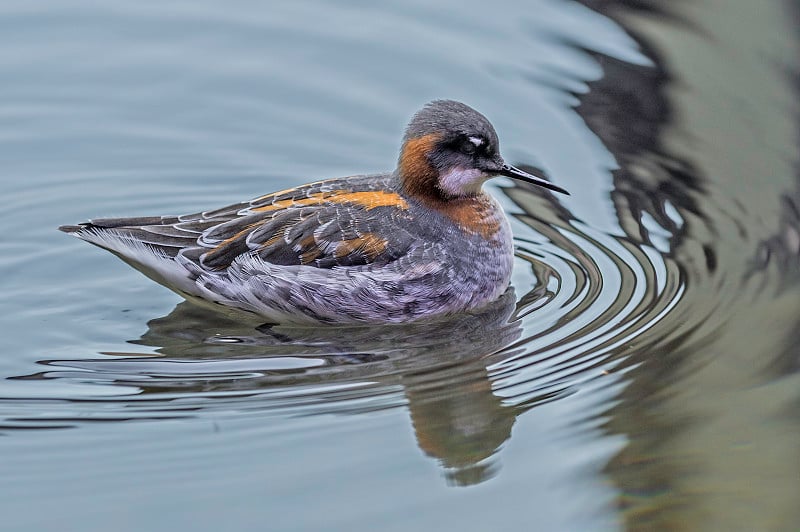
{"x": 422, "y": 241}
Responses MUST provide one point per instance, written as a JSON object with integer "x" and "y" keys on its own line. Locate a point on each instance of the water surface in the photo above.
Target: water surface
{"x": 640, "y": 374}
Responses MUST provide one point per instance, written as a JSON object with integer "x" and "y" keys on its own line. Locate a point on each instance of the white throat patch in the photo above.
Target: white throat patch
{"x": 462, "y": 181}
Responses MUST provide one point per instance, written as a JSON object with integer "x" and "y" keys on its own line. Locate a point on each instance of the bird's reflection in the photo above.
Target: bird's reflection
{"x": 440, "y": 366}
{"x": 458, "y": 420}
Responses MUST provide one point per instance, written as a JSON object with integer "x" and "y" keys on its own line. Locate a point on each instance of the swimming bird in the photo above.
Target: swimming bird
{"x": 420, "y": 242}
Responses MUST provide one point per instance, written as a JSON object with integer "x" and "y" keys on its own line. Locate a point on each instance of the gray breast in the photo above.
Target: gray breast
{"x": 446, "y": 271}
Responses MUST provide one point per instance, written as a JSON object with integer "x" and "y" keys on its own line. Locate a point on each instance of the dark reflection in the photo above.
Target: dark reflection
{"x": 782, "y": 248}
{"x": 441, "y": 367}
{"x": 685, "y": 133}
{"x": 781, "y": 251}
{"x": 628, "y": 109}
{"x": 458, "y": 420}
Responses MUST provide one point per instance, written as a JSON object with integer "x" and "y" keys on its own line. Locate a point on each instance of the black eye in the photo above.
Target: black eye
{"x": 473, "y": 144}
{"x": 467, "y": 147}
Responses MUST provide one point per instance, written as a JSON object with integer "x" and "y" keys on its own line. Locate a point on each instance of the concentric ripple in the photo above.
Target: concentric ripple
{"x": 603, "y": 295}
{"x": 581, "y": 300}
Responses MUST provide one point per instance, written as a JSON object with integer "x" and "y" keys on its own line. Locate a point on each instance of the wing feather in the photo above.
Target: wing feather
{"x": 344, "y": 222}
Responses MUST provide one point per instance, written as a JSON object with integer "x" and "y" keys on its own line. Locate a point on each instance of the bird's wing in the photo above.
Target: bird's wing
{"x": 343, "y": 222}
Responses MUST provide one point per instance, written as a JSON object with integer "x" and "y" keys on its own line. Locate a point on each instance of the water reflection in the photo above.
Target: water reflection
{"x": 440, "y": 368}
{"x": 685, "y": 132}
{"x": 584, "y": 298}
{"x": 688, "y": 299}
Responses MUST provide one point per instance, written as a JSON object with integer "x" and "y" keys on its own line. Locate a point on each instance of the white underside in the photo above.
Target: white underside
{"x": 146, "y": 259}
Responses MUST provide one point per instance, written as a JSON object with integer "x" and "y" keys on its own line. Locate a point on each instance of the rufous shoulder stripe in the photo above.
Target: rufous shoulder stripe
{"x": 370, "y": 244}
{"x": 366, "y": 199}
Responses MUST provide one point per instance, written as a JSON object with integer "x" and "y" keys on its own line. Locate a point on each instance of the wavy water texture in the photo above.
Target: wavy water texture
{"x": 641, "y": 373}
{"x": 464, "y": 380}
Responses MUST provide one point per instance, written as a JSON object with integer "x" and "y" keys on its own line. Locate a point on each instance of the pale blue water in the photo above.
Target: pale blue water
{"x": 641, "y": 375}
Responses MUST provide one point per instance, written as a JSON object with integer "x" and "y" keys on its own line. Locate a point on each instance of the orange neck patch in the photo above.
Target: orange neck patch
{"x": 474, "y": 214}
{"x": 419, "y": 178}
